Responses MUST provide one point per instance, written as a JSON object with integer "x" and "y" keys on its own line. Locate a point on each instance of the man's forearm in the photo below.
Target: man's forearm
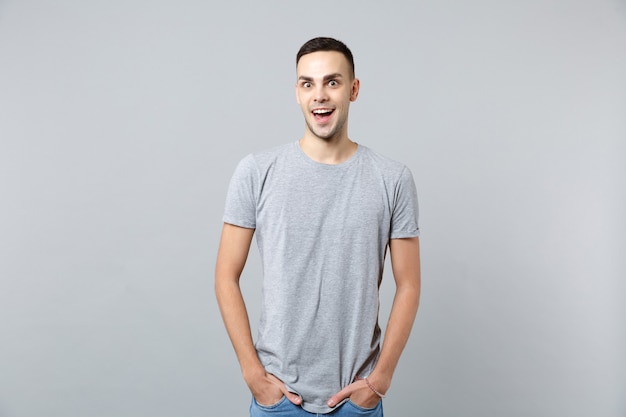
{"x": 405, "y": 261}
{"x": 401, "y": 319}
{"x": 236, "y": 321}
{"x": 231, "y": 259}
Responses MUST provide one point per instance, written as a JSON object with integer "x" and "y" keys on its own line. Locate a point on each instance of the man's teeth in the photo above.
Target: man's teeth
{"x": 322, "y": 111}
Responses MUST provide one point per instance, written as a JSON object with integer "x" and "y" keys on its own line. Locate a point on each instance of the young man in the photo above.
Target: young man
{"x": 325, "y": 209}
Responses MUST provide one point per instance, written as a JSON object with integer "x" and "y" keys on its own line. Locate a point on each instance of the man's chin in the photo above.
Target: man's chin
{"x": 326, "y": 136}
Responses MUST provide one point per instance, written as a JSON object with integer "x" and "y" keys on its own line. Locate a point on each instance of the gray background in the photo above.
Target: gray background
{"x": 121, "y": 123}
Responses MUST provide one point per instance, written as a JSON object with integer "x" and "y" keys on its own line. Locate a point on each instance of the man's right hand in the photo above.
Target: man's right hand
{"x": 268, "y": 390}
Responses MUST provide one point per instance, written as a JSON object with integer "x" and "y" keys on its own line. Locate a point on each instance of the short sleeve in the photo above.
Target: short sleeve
{"x": 404, "y": 217}
{"x": 240, "y": 207}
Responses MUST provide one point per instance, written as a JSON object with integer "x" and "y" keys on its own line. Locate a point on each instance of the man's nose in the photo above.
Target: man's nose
{"x": 320, "y": 94}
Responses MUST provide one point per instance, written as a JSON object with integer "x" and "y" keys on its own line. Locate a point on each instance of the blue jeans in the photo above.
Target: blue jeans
{"x": 285, "y": 408}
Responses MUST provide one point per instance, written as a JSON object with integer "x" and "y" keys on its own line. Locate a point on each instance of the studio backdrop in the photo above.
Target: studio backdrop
{"x": 121, "y": 123}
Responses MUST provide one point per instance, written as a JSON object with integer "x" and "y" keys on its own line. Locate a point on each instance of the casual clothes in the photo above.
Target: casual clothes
{"x": 322, "y": 232}
{"x": 285, "y": 408}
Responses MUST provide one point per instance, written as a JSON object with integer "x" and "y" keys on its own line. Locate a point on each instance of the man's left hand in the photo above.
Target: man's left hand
{"x": 359, "y": 394}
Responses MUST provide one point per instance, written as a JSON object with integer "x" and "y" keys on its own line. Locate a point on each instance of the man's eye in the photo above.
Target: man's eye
{"x": 332, "y": 83}
{"x": 306, "y": 85}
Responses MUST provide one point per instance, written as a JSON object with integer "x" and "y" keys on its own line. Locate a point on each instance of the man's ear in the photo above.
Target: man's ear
{"x": 354, "y": 91}
{"x": 297, "y": 96}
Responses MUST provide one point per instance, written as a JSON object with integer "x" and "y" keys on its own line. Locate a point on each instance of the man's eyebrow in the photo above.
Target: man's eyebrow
{"x": 326, "y": 77}
{"x": 332, "y": 76}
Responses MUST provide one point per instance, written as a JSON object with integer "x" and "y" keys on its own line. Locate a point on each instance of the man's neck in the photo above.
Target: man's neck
{"x": 330, "y": 152}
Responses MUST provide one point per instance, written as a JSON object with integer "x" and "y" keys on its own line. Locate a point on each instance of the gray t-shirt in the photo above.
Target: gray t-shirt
{"x": 322, "y": 232}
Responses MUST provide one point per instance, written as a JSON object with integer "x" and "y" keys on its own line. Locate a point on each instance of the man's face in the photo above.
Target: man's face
{"x": 324, "y": 90}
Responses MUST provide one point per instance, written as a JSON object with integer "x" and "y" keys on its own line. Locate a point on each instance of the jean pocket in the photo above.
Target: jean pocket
{"x": 374, "y": 411}
{"x": 269, "y": 407}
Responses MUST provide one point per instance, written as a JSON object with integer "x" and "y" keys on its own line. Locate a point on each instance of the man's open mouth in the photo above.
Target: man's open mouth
{"x": 322, "y": 115}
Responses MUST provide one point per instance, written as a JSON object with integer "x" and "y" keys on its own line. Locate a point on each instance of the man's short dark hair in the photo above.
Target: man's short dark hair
{"x": 326, "y": 44}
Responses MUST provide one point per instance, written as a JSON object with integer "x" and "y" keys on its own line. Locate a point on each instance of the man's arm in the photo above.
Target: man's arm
{"x": 405, "y": 263}
{"x": 231, "y": 259}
